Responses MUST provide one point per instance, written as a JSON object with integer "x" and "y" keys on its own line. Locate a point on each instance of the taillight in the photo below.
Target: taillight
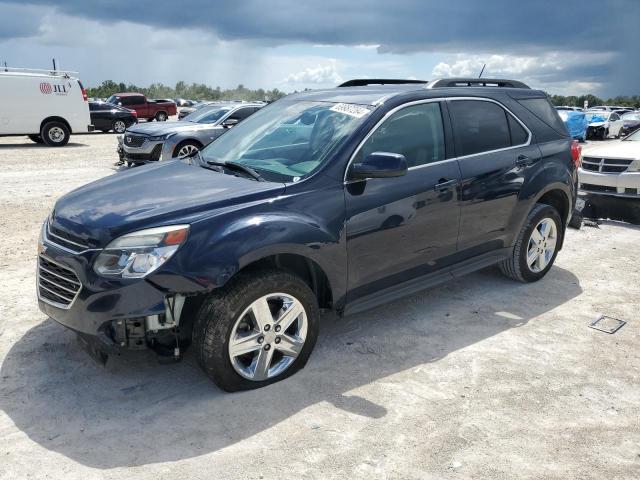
{"x": 84, "y": 92}
{"x": 134, "y": 113}
{"x": 576, "y": 153}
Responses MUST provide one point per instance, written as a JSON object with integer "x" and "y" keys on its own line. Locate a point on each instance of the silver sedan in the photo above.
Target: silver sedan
{"x": 154, "y": 141}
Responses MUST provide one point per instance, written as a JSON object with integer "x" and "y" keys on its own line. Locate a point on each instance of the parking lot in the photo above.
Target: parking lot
{"x": 479, "y": 378}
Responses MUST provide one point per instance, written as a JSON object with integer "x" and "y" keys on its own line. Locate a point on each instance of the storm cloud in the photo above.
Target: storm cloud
{"x": 586, "y": 42}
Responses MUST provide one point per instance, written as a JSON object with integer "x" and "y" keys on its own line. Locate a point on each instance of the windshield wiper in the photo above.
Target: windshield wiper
{"x": 238, "y": 167}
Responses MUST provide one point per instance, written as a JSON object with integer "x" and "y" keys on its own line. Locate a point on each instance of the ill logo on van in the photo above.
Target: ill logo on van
{"x": 47, "y": 89}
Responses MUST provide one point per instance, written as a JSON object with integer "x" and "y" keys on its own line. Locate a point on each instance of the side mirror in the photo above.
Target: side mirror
{"x": 120, "y": 104}
{"x": 230, "y": 122}
{"x": 379, "y": 165}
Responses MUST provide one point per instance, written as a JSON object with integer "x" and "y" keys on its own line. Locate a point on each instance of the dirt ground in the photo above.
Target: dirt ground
{"x": 479, "y": 378}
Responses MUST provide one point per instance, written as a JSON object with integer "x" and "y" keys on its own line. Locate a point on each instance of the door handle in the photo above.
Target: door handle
{"x": 524, "y": 161}
{"x": 444, "y": 184}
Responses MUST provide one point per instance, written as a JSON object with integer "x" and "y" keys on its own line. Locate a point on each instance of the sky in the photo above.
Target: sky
{"x": 566, "y": 47}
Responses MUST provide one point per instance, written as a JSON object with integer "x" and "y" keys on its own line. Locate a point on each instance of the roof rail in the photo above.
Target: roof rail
{"x": 475, "y": 82}
{"x": 363, "y": 82}
{"x": 35, "y": 70}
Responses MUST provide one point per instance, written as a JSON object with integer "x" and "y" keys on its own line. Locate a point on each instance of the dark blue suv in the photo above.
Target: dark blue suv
{"x": 338, "y": 199}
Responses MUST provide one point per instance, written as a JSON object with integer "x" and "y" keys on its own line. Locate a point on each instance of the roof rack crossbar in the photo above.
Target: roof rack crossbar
{"x": 363, "y": 82}
{"x": 476, "y": 82}
{"x": 36, "y": 70}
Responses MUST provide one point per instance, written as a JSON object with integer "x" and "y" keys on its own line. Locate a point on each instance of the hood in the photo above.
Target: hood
{"x": 162, "y": 128}
{"x": 162, "y": 194}
{"x": 615, "y": 149}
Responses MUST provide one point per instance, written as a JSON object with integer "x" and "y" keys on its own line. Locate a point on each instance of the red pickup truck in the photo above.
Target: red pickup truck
{"x": 149, "y": 109}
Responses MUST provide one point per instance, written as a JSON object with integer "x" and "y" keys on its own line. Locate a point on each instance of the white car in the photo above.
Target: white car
{"x": 48, "y": 106}
{"x": 603, "y": 124}
{"x": 612, "y": 168}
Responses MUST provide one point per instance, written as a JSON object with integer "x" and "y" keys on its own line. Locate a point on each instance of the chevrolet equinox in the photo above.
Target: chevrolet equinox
{"x": 338, "y": 199}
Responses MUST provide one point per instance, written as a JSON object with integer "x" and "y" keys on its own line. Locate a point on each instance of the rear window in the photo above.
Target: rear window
{"x": 542, "y": 108}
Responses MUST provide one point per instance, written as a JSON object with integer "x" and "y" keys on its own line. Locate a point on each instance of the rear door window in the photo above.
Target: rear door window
{"x": 479, "y": 126}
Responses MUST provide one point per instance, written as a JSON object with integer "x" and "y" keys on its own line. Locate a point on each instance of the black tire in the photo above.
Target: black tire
{"x": 55, "y": 134}
{"x": 186, "y": 143}
{"x": 221, "y": 309}
{"x": 161, "y": 116}
{"x": 576, "y": 220}
{"x": 516, "y": 267}
{"x": 36, "y": 138}
{"x": 118, "y": 125}
{"x": 605, "y": 134}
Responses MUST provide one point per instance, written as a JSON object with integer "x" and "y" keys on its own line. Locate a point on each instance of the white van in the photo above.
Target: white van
{"x": 48, "y": 106}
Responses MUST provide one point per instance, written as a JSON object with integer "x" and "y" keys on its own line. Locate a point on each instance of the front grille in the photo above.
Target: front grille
{"x": 146, "y": 157}
{"x": 57, "y": 285}
{"x": 67, "y": 240}
{"x": 133, "y": 140}
{"x": 605, "y": 165}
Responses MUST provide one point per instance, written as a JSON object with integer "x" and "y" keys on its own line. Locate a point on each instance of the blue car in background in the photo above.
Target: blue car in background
{"x": 576, "y": 122}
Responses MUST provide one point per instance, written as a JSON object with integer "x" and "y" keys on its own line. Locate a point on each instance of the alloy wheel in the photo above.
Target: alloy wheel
{"x": 542, "y": 245}
{"x": 119, "y": 126}
{"x": 268, "y": 336}
{"x": 187, "y": 150}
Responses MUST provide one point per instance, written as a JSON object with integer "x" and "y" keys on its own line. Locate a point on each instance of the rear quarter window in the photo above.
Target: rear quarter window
{"x": 542, "y": 108}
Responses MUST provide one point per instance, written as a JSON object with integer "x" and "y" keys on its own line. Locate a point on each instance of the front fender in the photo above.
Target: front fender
{"x": 216, "y": 252}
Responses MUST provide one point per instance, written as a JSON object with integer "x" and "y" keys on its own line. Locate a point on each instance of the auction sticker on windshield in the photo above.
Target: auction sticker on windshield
{"x": 357, "y": 111}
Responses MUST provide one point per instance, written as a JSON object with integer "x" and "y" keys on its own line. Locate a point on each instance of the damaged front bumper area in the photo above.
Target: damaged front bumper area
{"x": 109, "y": 316}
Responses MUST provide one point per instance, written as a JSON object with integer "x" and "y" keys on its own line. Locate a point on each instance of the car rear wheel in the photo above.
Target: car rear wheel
{"x": 537, "y": 245}
{"x": 259, "y": 330}
{"x": 161, "y": 116}
{"x": 119, "y": 126}
{"x": 55, "y": 134}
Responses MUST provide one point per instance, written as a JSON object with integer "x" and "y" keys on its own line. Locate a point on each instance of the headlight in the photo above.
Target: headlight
{"x": 160, "y": 137}
{"x": 634, "y": 167}
{"x": 137, "y": 254}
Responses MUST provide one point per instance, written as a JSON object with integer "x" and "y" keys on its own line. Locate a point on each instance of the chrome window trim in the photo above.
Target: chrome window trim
{"x": 431, "y": 100}
{"x": 38, "y": 285}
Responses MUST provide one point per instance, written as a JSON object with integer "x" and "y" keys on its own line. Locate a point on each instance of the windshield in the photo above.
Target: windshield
{"x": 288, "y": 139}
{"x": 634, "y": 137}
{"x": 597, "y": 116}
{"x": 113, "y": 100}
{"x": 207, "y": 115}
{"x": 631, "y": 116}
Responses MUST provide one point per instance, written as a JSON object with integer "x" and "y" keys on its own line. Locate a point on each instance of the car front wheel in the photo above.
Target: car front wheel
{"x": 260, "y": 329}
{"x": 537, "y": 245}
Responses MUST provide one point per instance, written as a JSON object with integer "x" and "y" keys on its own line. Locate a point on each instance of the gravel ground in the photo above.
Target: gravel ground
{"x": 479, "y": 378}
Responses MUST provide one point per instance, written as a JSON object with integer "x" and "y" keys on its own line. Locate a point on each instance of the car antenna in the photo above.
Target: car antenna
{"x": 482, "y": 71}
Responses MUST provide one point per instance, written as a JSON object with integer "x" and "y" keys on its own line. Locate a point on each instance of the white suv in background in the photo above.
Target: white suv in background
{"x": 612, "y": 168}
{"x": 48, "y": 106}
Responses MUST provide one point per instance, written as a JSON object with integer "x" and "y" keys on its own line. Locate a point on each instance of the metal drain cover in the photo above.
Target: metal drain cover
{"x": 607, "y": 324}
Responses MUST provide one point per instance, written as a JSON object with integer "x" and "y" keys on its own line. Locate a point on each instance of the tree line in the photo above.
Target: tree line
{"x": 578, "y": 101}
{"x": 199, "y": 91}
{"x": 193, "y": 91}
